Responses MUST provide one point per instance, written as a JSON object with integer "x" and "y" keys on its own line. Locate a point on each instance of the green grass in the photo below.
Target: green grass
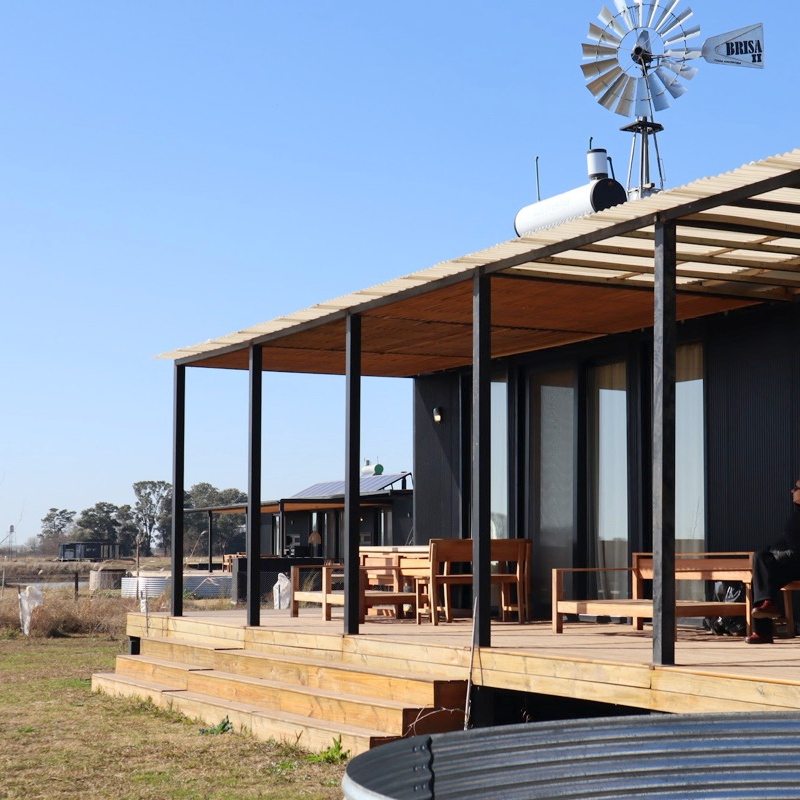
{"x": 60, "y": 740}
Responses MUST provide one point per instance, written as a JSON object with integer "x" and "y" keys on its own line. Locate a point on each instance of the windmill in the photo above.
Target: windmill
{"x": 639, "y": 57}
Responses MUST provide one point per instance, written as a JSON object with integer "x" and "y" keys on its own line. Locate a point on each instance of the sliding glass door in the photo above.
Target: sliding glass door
{"x": 552, "y": 468}
{"x": 607, "y": 490}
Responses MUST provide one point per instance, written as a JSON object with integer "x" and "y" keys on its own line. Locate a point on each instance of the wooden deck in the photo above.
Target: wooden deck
{"x": 602, "y": 663}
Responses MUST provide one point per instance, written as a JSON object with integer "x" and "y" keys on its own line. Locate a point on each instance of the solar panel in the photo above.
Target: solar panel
{"x": 367, "y": 485}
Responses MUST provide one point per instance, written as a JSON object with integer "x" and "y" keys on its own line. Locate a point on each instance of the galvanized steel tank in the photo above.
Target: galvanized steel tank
{"x": 106, "y": 578}
{"x": 203, "y": 586}
{"x": 669, "y": 757}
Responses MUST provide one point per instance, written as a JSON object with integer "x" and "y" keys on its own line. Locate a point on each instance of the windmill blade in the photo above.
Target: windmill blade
{"x": 610, "y": 21}
{"x": 597, "y": 50}
{"x": 671, "y": 83}
{"x": 657, "y": 91}
{"x": 679, "y": 68}
{"x": 675, "y": 22}
{"x": 664, "y": 14}
{"x": 641, "y": 105}
{"x": 743, "y": 47}
{"x": 599, "y": 85}
{"x": 681, "y": 55}
{"x": 639, "y": 14}
{"x": 598, "y": 67}
{"x": 610, "y": 96}
{"x": 686, "y": 33}
{"x": 651, "y": 16}
{"x": 625, "y": 105}
{"x": 622, "y": 8}
{"x": 602, "y": 36}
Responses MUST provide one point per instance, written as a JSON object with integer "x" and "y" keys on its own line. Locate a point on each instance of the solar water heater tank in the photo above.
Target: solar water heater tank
{"x": 600, "y": 193}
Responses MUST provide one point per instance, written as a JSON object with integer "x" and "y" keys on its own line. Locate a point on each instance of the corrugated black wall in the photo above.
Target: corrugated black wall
{"x": 752, "y": 390}
{"x": 752, "y": 425}
{"x": 437, "y": 461}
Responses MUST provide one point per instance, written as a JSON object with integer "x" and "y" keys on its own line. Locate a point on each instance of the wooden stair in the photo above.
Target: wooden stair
{"x": 287, "y": 690}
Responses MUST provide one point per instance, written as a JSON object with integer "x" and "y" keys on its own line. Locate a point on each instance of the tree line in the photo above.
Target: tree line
{"x": 146, "y": 526}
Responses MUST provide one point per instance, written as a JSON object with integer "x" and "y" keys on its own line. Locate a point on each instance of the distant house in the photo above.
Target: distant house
{"x": 88, "y": 551}
{"x": 310, "y": 523}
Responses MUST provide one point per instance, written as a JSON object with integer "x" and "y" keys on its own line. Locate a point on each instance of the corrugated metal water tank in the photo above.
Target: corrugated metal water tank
{"x": 105, "y": 579}
{"x": 203, "y": 586}
{"x": 669, "y": 757}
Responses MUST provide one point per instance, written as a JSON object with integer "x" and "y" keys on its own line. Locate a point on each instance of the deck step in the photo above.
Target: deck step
{"x": 311, "y": 734}
{"x": 395, "y": 717}
{"x": 161, "y": 671}
{"x": 394, "y": 684}
{"x": 444, "y": 663}
{"x": 392, "y": 716}
{"x": 306, "y": 680}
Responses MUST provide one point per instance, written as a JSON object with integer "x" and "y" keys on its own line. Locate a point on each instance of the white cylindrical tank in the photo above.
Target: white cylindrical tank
{"x": 595, "y": 196}
{"x": 597, "y": 163}
{"x": 600, "y": 193}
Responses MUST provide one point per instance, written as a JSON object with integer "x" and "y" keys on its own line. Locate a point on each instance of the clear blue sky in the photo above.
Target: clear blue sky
{"x": 171, "y": 172}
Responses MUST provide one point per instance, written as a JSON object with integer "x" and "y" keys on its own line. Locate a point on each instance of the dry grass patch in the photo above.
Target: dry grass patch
{"x": 62, "y": 615}
{"x": 60, "y": 740}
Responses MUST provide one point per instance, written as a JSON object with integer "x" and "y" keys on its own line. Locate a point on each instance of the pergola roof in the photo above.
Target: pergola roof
{"x": 738, "y": 243}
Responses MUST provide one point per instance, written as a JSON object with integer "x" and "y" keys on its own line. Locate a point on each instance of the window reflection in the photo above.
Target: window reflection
{"x": 552, "y": 478}
{"x": 608, "y": 489}
{"x": 499, "y": 465}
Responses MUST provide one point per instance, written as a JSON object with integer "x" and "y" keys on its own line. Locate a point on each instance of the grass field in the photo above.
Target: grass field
{"x": 60, "y": 740}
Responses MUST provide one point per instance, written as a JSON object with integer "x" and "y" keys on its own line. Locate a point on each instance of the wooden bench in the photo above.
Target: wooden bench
{"x": 227, "y": 560}
{"x": 386, "y": 580}
{"x": 788, "y": 608}
{"x": 512, "y": 557}
{"x": 688, "y": 566}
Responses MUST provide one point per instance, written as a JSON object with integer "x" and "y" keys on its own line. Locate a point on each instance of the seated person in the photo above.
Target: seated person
{"x": 773, "y": 568}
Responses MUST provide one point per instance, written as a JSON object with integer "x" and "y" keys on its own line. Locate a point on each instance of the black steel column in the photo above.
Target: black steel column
{"x": 178, "y": 459}
{"x": 254, "y": 491}
{"x": 481, "y": 457}
{"x": 210, "y": 541}
{"x": 664, "y": 344}
{"x": 351, "y": 475}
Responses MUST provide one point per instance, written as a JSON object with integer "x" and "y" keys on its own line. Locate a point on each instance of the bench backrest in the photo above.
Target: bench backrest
{"x": 698, "y": 566}
{"x": 446, "y": 552}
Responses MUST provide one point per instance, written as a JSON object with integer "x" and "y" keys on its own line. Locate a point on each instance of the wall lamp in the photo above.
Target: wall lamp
{"x": 438, "y": 415}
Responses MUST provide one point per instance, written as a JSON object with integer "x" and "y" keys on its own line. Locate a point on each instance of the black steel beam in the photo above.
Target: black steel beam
{"x": 254, "y": 490}
{"x": 664, "y": 346}
{"x": 351, "y": 476}
{"x": 760, "y": 228}
{"x": 481, "y": 458}
{"x": 178, "y": 469}
{"x": 769, "y": 205}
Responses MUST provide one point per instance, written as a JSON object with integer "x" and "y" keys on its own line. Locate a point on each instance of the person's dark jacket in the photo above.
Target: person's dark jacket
{"x": 791, "y": 533}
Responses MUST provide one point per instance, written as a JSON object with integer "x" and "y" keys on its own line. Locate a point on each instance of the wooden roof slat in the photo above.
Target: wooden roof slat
{"x": 737, "y": 244}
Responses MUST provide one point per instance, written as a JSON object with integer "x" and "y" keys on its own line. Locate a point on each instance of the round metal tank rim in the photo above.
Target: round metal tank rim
{"x": 671, "y": 757}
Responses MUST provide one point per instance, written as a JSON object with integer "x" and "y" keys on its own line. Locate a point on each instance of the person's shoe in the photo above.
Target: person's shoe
{"x": 755, "y": 638}
{"x": 766, "y": 609}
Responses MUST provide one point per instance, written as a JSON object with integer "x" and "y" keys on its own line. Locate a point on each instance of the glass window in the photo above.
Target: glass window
{"x": 690, "y": 529}
{"x": 608, "y": 479}
{"x": 499, "y": 459}
{"x": 552, "y": 510}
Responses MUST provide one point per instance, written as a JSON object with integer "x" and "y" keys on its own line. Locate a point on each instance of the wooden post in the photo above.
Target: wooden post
{"x": 664, "y": 346}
